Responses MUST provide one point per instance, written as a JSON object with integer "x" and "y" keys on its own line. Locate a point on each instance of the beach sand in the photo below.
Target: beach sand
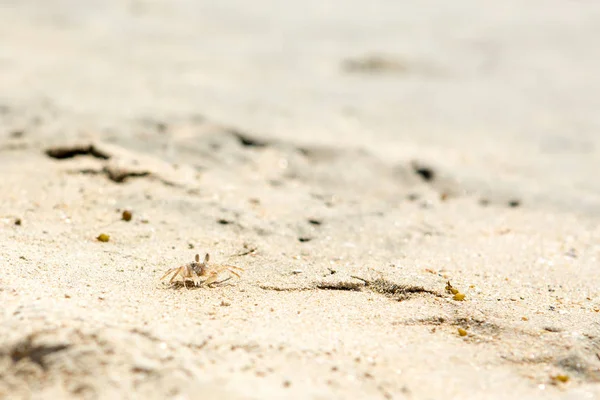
{"x": 354, "y": 159}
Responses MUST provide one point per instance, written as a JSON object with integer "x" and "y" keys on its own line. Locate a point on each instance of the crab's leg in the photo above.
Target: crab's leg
{"x": 197, "y": 280}
{"x": 223, "y": 281}
{"x": 212, "y": 278}
{"x": 167, "y": 273}
{"x": 233, "y": 272}
{"x": 177, "y": 272}
{"x": 188, "y": 273}
{"x": 230, "y": 268}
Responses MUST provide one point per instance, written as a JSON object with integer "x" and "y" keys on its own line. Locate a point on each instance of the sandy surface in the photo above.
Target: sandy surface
{"x": 351, "y": 158}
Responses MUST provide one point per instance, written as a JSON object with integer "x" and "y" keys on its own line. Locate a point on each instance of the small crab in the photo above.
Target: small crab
{"x": 196, "y": 270}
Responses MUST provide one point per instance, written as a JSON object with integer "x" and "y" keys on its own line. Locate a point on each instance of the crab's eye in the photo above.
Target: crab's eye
{"x": 206, "y": 258}
{"x": 197, "y": 257}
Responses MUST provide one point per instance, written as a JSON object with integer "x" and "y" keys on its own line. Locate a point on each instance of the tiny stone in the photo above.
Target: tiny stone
{"x": 459, "y": 297}
{"x": 103, "y": 237}
{"x": 562, "y": 378}
{"x": 514, "y": 203}
{"x": 462, "y": 332}
{"x": 127, "y": 215}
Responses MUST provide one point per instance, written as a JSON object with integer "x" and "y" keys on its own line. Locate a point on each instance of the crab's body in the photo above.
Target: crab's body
{"x": 196, "y": 270}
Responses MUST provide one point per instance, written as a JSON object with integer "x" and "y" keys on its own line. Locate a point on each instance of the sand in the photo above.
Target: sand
{"x": 353, "y": 159}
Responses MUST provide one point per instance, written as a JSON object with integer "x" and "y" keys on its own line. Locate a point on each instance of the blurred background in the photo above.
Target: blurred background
{"x": 501, "y": 97}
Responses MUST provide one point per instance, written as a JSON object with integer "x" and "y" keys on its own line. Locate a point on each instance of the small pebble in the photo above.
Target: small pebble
{"x": 450, "y": 288}
{"x": 459, "y": 297}
{"x": 561, "y": 378}
{"x": 103, "y": 237}
{"x": 127, "y": 215}
{"x": 462, "y": 332}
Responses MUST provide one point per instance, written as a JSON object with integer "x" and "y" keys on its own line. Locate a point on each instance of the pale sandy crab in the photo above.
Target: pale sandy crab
{"x": 197, "y": 270}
